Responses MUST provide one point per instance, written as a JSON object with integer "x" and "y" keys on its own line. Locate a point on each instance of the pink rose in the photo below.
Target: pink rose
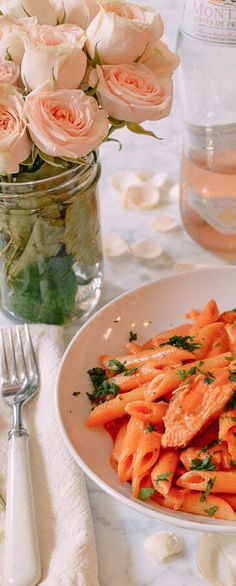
{"x": 132, "y": 92}
{"x": 65, "y": 123}
{"x": 9, "y": 72}
{"x": 162, "y": 61}
{"x": 15, "y": 145}
{"x": 44, "y": 10}
{"x": 54, "y": 53}
{"x": 123, "y": 32}
{"x": 11, "y": 39}
{"x": 79, "y": 12}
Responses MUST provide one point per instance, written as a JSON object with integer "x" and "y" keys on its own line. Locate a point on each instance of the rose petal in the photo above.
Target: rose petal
{"x": 146, "y": 249}
{"x": 164, "y": 224}
{"x": 144, "y": 196}
{"x": 123, "y": 179}
{"x": 158, "y": 179}
{"x": 185, "y": 266}
{"x": 114, "y": 246}
{"x": 163, "y": 544}
{"x": 174, "y": 191}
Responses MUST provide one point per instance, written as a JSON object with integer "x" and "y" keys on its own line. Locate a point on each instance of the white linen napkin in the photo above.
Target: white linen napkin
{"x": 65, "y": 530}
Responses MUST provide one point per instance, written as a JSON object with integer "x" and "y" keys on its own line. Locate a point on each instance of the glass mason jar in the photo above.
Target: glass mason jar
{"x": 50, "y": 245}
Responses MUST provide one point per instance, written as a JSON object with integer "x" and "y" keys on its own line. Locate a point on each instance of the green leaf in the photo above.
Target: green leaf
{"x": 205, "y": 464}
{"x": 45, "y": 291}
{"x": 182, "y": 374}
{"x": 44, "y": 242}
{"x": 91, "y": 91}
{"x": 210, "y": 484}
{"x": 116, "y": 366}
{"x": 185, "y": 342}
{"x": 138, "y": 129}
{"x": 145, "y": 493}
{"x": 211, "y": 511}
{"x": 162, "y": 477}
{"x": 130, "y": 371}
{"x": 97, "y": 60}
{"x": 8, "y": 56}
{"x": 54, "y": 161}
{"x": 150, "y": 428}
{"x": 114, "y": 140}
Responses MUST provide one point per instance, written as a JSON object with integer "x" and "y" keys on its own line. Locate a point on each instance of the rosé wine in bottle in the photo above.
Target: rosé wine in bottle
{"x": 207, "y": 83}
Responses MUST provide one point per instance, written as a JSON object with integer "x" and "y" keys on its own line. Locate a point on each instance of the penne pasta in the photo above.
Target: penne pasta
{"x": 207, "y": 316}
{"x": 133, "y": 433}
{"x": 170, "y": 408}
{"x": 182, "y": 330}
{"x": 172, "y": 500}
{"x": 215, "y": 507}
{"x": 146, "y": 455}
{"x": 164, "y": 356}
{"x": 114, "y": 408}
{"x": 147, "y": 412}
{"x": 163, "y": 472}
{"x": 223, "y": 481}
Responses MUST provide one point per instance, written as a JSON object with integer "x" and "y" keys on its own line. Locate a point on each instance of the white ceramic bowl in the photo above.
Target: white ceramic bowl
{"x": 146, "y": 310}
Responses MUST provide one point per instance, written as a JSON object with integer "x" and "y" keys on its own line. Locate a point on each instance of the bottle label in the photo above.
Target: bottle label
{"x": 210, "y": 20}
{"x": 219, "y": 213}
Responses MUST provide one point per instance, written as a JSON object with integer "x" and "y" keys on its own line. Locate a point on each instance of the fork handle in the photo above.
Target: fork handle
{"x": 22, "y": 563}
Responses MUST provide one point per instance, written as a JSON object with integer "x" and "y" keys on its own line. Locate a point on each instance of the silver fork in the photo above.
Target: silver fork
{"x": 19, "y": 381}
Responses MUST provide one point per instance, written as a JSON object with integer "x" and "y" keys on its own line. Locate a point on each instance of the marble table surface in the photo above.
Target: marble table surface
{"x": 120, "y": 531}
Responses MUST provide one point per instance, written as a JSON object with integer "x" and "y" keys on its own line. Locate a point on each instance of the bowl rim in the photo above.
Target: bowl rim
{"x": 139, "y": 506}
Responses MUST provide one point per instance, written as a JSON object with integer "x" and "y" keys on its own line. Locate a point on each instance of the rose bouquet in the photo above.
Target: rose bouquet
{"x": 71, "y": 73}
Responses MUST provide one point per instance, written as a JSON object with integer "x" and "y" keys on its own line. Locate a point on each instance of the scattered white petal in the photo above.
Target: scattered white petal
{"x": 216, "y": 558}
{"x": 164, "y": 224}
{"x": 144, "y": 196}
{"x": 174, "y": 191}
{"x": 163, "y": 544}
{"x": 158, "y": 179}
{"x": 146, "y": 249}
{"x": 123, "y": 179}
{"x": 185, "y": 266}
{"x": 114, "y": 246}
{"x": 145, "y": 176}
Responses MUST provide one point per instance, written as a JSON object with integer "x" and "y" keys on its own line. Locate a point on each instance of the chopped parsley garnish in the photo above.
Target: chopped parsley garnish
{"x": 231, "y": 403}
{"x": 233, "y": 419}
{"x": 205, "y": 464}
{"x": 232, "y": 463}
{"x": 192, "y": 370}
{"x": 97, "y": 375}
{"x": 130, "y": 371}
{"x": 103, "y": 388}
{"x": 145, "y": 493}
{"x": 150, "y": 428}
{"x": 232, "y": 376}
{"x": 211, "y": 511}
{"x": 234, "y": 310}
{"x": 210, "y": 445}
{"x": 132, "y": 336}
{"x": 234, "y": 324}
{"x": 210, "y": 484}
{"x": 182, "y": 374}
{"x": 116, "y": 366}
{"x": 184, "y": 342}
{"x": 162, "y": 477}
{"x": 76, "y": 393}
{"x": 229, "y": 358}
{"x": 209, "y": 378}
{"x": 201, "y": 362}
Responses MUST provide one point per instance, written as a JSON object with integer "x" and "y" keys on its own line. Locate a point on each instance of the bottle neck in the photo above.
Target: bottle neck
{"x": 210, "y": 20}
